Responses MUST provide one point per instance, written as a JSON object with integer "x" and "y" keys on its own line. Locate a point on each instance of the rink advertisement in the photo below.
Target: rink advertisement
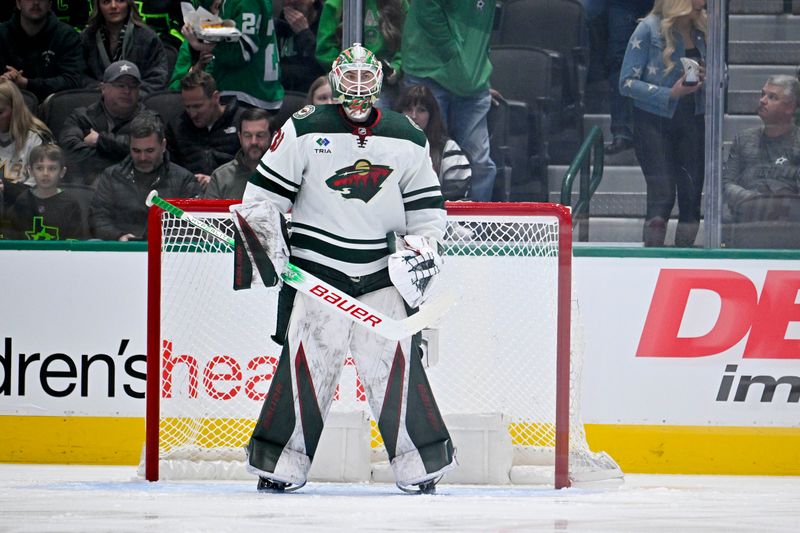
{"x": 690, "y": 364}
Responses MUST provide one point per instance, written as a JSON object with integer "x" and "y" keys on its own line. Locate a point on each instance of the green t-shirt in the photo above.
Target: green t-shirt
{"x": 448, "y": 41}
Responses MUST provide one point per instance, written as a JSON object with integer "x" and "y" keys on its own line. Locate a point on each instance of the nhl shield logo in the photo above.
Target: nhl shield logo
{"x": 361, "y": 181}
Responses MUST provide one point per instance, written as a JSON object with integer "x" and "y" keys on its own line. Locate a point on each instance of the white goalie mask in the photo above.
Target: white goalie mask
{"x": 356, "y": 77}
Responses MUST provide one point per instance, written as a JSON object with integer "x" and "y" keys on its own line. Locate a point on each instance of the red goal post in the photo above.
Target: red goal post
{"x": 502, "y": 353}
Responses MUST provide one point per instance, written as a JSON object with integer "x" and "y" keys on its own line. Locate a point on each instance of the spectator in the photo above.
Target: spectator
{"x": 97, "y": 136}
{"x": 46, "y": 212}
{"x": 445, "y": 48}
{"x": 668, "y": 115}
{"x": 320, "y": 92}
{"x": 39, "y": 53}
{"x": 20, "y": 132}
{"x": 115, "y": 33}
{"x": 449, "y": 161}
{"x": 248, "y": 69}
{"x": 296, "y": 32}
{"x": 204, "y": 136}
{"x": 118, "y": 210}
{"x": 189, "y": 59}
{"x": 619, "y": 18}
{"x": 383, "y": 31}
{"x": 229, "y": 180}
{"x": 764, "y": 162}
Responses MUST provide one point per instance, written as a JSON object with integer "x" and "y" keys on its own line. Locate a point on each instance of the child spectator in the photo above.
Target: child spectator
{"x": 46, "y": 212}
{"x": 383, "y": 29}
{"x": 115, "y": 32}
{"x": 449, "y": 161}
{"x": 320, "y": 92}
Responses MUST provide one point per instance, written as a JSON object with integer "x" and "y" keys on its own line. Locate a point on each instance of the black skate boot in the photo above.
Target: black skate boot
{"x": 426, "y": 487}
{"x": 266, "y": 484}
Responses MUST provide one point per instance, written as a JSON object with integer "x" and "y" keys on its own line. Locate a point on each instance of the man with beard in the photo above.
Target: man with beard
{"x": 229, "y": 180}
{"x": 118, "y": 211}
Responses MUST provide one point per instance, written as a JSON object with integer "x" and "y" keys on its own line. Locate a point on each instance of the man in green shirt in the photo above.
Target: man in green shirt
{"x": 446, "y": 48}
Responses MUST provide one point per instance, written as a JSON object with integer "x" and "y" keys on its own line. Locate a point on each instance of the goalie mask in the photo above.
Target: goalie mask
{"x": 356, "y": 77}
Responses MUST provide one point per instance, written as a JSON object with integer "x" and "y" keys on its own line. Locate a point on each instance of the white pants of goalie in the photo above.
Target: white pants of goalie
{"x": 290, "y": 424}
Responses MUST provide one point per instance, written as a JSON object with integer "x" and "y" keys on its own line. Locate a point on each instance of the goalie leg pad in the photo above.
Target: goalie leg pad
{"x": 288, "y": 430}
{"x": 401, "y": 399}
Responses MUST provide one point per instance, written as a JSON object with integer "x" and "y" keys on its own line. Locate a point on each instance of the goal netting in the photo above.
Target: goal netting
{"x": 499, "y": 362}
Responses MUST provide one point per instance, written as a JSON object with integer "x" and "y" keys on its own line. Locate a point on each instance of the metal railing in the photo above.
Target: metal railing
{"x": 588, "y": 165}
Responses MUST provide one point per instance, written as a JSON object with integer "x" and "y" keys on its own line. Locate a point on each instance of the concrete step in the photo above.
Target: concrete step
{"x": 750, "y": 7}
{"x": 615, "y": 179}
{"x": 753, "y": 77}
{"x": 764, "y": 52}
{"x": 730, "y": 125}
{"x": 764, "y": 28}
{"x": 626, "y": 230}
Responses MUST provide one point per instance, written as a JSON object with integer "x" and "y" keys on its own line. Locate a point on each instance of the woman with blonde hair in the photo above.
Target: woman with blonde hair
{"x": 20, "y": 132}
{"x": 668, "y": 115}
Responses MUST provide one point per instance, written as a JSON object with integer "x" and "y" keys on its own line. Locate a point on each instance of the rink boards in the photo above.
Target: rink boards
{"x": 691, "y": 359}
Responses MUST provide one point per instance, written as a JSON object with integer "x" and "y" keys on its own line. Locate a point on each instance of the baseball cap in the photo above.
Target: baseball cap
{"x": 121, "y": 68}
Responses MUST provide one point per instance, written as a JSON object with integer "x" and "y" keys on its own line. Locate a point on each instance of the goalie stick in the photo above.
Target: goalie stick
{"x": 323, "y": 292}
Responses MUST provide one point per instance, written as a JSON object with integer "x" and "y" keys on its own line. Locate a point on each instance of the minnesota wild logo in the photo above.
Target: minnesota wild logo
{"x": 361, "y": 181}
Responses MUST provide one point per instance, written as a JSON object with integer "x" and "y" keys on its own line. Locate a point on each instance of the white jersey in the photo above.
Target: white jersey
{"x": 348, "y": 185}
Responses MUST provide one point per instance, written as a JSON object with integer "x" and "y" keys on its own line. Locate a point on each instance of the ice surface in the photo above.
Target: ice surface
{"x": 57, "y": 498}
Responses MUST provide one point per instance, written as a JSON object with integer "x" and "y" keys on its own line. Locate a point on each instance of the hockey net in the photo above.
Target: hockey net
{"x": 501, "y": 353}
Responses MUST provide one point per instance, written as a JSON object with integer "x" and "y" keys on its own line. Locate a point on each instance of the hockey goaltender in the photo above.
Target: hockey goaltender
{"x": 367, "y": 217}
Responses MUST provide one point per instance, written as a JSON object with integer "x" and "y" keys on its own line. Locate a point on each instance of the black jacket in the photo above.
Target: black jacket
{"x": 145, "y": 51}
{"x": 51, "y": 59}
{"x": 202, "y": 150}
{"x": 118, "y": 205}
{"x": 84, "y": 162}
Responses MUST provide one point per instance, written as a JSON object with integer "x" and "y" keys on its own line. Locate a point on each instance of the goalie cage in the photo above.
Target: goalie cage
{"x": 499, "y": 361}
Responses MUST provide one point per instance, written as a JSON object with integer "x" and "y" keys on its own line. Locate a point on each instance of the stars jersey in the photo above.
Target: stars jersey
{"x": 348, "y": 185}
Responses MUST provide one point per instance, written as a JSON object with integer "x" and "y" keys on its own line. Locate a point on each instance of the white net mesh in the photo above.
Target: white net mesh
{"x": 493, "y": 353}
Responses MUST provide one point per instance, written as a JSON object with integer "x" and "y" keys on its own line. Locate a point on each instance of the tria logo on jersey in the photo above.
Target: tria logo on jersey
{"x": 323, "y": 145}
{"x": 361, "y": 181}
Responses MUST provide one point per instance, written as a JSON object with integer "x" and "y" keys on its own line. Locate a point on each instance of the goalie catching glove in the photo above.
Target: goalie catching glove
{"x": 413, "y": 266}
